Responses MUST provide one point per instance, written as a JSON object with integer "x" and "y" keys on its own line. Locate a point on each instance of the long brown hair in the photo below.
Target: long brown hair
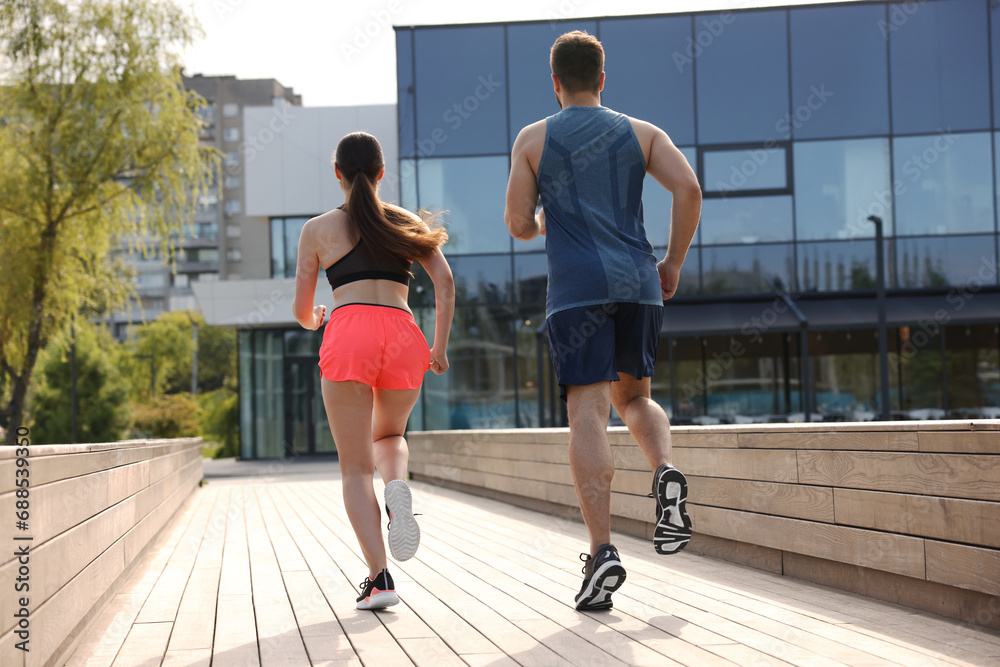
{"x": 382, "y": 227}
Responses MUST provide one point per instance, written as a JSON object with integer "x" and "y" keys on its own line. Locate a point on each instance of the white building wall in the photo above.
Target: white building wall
{"x": 289, "y": 151}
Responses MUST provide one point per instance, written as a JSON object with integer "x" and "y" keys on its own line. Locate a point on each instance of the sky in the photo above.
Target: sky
{"x": 343, "y": 52}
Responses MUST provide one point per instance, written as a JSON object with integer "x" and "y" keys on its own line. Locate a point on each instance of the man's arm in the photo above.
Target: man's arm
{"x": 522, "y": 190}
{"x": 671, "y": 170}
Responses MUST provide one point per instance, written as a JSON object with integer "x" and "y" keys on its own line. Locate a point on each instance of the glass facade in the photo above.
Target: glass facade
{"x": 802, "y": 123}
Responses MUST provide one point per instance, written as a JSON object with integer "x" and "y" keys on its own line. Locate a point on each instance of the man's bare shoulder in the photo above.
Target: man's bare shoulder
{"x": 531, "y": 136}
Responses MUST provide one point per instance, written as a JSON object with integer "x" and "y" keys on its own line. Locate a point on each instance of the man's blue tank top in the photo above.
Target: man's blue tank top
{"x": 590, "y": 180}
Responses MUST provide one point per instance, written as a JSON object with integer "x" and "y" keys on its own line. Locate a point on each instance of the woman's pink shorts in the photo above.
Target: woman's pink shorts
{"x": 380, "y": 346}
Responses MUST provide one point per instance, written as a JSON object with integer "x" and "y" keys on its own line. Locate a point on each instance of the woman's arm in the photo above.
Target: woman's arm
{"x": 444, "y": 299}
{"x": 306, "y": 275}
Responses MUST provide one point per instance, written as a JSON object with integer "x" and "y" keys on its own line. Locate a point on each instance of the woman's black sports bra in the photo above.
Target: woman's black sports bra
{"x": 360, "y": 263}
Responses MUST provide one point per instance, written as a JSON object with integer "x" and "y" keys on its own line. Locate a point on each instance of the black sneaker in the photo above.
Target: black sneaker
{"x": 602, "y": 575}
{"x": 673, "y": 525}
{"x": 404, "y": 533}
{"x": 378, "y": 594}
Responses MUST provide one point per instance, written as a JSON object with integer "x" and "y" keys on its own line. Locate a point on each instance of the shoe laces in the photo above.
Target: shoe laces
{"x": 365, "y": 584}
{"x": 586, "y": 561}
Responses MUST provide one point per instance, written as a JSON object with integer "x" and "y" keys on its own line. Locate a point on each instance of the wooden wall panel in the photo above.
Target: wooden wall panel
{"x": 964, "y": 566}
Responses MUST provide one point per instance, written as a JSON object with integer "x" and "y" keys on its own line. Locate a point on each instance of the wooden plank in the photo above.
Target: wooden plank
{"x": 968, "y": 567}
{"x": 430, "y": 652}
{"x": 853, "y": 440}
{"x": 969, "y": 606}
{"x": 752, "y": 555}
{"x": 790, "y": 500}
{"x": 278, "y": 636}
{"x": 881, "y": 551}
{"x": 201, "y": 657}
{"x": 235, "y": 632}
{"x": 104, "y": 638}
{"x": 145, "y": 646}
{"x": 951, "y": 519}
{"x": 951, "y": 475}
{"x": 975, "y": 442}
{"x": 759, "y": 465}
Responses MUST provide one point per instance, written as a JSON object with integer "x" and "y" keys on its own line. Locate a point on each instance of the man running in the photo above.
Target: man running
{"x": 605, "y": 296}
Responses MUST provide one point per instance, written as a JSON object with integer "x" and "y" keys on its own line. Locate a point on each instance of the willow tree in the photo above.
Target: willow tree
{"x": 98, "y": 147}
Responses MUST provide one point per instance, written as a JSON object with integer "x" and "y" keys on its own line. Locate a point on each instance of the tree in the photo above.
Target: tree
{"x": 98, "y": 143}
{"x": 170, "y": 341}
{"x": 102, "y": 393}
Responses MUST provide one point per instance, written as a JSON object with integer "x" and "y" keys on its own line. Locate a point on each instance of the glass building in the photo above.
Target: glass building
{"x": 801, "y": 123}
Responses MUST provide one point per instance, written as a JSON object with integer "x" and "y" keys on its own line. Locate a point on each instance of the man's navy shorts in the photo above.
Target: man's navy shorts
{"x": 592, "y": 344}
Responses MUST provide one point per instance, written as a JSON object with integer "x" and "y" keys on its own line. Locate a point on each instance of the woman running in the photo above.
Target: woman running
{"x": 373, "y": 357}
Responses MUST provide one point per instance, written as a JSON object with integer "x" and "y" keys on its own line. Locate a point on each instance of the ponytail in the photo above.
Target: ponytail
{"x": 384, "y": 228}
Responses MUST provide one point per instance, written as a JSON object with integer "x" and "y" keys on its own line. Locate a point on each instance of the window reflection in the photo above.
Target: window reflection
{"x": 746, "y": 219}
{"x": 472, "y": 193}
{"x": 656, "y": 203}
{"x": 845, "y": 375}
{"x": 405, "y": 91}
{"x": 269, "y": 395}
{"x": 460, "y": 88}
{"x": 663, "y": 96}
{"x": 939, "y": 67}
{"x": 528, "y": 47}
{"x": 950, "y": 260}
{"x": 839, "y": 72}
{"x": 973, "y": 371}
{"x": 836, "y": 266}
{"x": 944, "y": 184}
{"x": 745, "y": 269}
{"x": 754, "y": 168}
{"x": 838, "y": 184}
{"x": 742, "y": 65}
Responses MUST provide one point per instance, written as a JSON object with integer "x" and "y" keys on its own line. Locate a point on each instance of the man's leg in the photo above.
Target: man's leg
{"x": 645, "y": 419}
{"x": 590, "y": 459}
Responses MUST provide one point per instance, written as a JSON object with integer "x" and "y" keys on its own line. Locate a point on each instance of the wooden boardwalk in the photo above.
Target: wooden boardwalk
{"x": 264, "y": 571}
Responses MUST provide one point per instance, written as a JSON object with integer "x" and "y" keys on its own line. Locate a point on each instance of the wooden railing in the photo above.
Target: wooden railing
{"x": 92, "y": 511}
{"x": 907, "y": 512}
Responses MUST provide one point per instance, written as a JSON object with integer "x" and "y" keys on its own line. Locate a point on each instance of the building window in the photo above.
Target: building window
{"x": 943, "y": 183}
{"x": 285, "y": 245}
{"x": 472, "y": 190}
{"x": 838, "y": 184}
{"x": 746, "y": 220}
{"x": 461, "y": 102}
{"x": 233, "y": 231}
{"x": 232, "y": 159}
{"x": 756, "y": 169}
{"x": 233, "y": 207}
{"x": 230, "y": 110}
{"x": 742, "y": 77}
{"x": 232, "y": 182}
{"x": 205, "y": 277}
{"x": 181, "y": 280}
{"x": 939, "y": 70}
{"x": 231, "y": 134}
{"x": 234, "y": 255}
{"x": 840, "y": 75}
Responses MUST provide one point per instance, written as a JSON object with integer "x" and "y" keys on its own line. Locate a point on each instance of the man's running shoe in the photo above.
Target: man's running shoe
{"x": 602, "y": 575}
{"x": 404, "y": 533}
{"x": 378, "y": 594}
{"x": 673, "y": 525}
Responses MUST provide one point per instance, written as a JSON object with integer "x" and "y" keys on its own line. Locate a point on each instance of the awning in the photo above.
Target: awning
{"x": 823, "y": 314}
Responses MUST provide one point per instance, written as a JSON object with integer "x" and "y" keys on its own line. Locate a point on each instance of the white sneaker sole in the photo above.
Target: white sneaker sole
{"x": 379, "y": 600}
{"x": 404, "y": 533}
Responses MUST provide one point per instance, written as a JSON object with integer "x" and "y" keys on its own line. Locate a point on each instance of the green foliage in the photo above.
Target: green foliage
{"x": 99, "y": 143}
{"x": 221, "y": 421}
{"x": 169, "y": 341}
{"x": 102, "y": 393}
{"x": 167, "y": 416}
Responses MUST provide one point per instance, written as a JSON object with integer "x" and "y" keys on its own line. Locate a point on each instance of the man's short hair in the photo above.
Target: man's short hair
{"x": 577, "y": 59}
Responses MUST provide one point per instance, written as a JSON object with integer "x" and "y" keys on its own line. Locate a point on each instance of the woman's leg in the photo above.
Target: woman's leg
{"x": 390, "y": 412}
{"x": 348, "y": 406}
